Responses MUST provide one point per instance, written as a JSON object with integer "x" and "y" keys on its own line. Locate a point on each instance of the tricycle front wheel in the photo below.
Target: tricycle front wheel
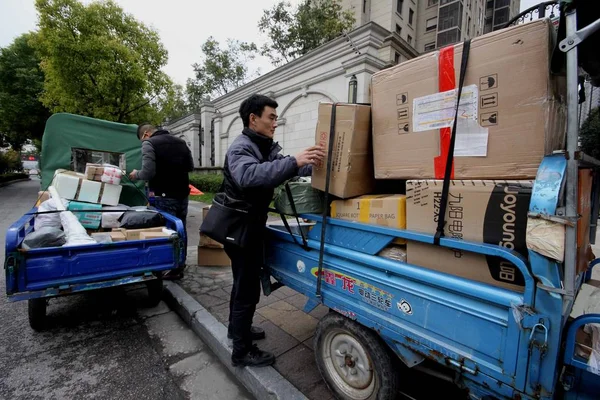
{"x": 353, "y": 360}
{"x": 37, "y": 313}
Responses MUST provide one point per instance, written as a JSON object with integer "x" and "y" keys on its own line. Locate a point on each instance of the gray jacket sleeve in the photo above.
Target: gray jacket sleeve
{"x": 249, "y": 173}
{"x": 148, "y": 162}
{"x": 305, "y": 171}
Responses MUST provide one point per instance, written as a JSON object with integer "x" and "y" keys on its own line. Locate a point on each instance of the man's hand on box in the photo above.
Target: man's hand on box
{"x": 311, "y": 156}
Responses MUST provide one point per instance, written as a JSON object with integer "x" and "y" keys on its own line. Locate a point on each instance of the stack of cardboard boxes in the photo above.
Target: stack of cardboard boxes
{"x": 512, "y": 113}
{"x": 99, "y": 189}
{"x": 210, "y": 252}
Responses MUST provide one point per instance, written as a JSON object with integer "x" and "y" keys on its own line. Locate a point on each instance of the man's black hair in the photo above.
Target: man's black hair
{"x": 146, "y": 126}
{"x": 255, "y": 104}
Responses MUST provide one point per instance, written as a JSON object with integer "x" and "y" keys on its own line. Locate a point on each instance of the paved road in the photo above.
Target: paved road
{"x": 102, "y": 345}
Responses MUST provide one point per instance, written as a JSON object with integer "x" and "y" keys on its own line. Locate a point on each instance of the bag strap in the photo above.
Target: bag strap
{"x": 449, "y": 160}
{"x": 304, "y": 244}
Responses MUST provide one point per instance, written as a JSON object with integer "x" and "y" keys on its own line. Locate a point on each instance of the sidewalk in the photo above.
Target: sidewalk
{"x": 289, "y": 330}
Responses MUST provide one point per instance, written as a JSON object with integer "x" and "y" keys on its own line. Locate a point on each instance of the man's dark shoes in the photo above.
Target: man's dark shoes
{"x": 257, "y": 333}
{"x": 254, "y": 358}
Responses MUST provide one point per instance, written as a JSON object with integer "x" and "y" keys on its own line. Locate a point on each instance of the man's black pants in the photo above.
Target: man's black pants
{"x": 246, "y": 266}
{"x": 177, "y": 208}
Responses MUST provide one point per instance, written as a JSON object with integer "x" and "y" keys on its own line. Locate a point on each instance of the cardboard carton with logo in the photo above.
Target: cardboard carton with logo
{"x": 493, "y": 212}
{"x": 352, "y": 157}
{"x": 512, "y": 111}
{"x": 384, "y": 210}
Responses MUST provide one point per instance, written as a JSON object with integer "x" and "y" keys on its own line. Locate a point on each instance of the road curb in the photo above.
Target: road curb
{"x": 263, "y": 383}
{"x": 15, "y": 181}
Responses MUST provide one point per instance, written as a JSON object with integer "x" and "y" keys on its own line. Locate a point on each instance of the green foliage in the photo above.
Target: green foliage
{"x": 22, "y": 115}
{"x": 10, "y": 161}
{"x": 589, "y": 134}
{"x": 100, "y": 62}
{"x": 293, "y": 33}
{"x": 221, "y": 70}
{"x": 208, "y": 183}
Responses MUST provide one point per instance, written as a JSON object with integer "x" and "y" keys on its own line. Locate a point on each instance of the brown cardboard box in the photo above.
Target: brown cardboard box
{"x": 209, "y": 257}
{"x": 205, "y": 241}
{"x": 43, "y": 196}
{"x": 493, "y": 212}
{"x": 510, "y": 115}
{"x": 153, "y": 235}
{"x": 384, "y": 210}
{"x": 117, "y": 236}
{"x": 352, "y": 164}
{"x": 135, "y": 234}
{"x": 584, "y": 208}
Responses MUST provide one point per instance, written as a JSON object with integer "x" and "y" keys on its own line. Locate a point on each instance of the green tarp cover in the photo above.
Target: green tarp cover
{"x": 65, "y": 132}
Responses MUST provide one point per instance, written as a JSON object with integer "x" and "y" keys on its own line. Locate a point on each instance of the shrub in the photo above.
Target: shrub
{"x": 10, "y": 162}
{"x": 12, "y": 177}
{"x": 590, "y": 134}
{"x": 209, "y": 183}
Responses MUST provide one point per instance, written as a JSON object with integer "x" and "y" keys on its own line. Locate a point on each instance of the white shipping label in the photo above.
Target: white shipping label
{"x": 471, "y": 139}
{"x": 437, "y": 110}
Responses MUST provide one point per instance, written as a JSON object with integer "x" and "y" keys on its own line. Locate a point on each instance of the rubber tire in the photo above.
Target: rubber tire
{"x": 36, "y": 309}
{"x": 155, "y": 291}
{"x": 383, "y": 364}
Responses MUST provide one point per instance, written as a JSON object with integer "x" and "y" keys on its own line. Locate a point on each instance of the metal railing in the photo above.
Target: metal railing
{"x": 548, "y": 9}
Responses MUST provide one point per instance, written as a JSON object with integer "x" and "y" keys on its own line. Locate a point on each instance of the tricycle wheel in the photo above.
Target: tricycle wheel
{"x": 37, "y": 313}
{"x": 353, "y": 361}
{"x": 155, "y": 289}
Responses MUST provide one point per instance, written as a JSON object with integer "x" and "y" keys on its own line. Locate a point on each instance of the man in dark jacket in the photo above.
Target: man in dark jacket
{"x": 166, "y": 162}
{"x": 253, "y": 169}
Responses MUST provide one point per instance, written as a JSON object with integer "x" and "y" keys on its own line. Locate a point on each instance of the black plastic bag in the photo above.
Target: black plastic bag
{"x": 141, "y": 219}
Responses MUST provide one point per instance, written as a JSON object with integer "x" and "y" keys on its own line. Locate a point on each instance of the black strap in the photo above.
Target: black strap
{"x": 326, "y": 200}
{"x": 304, "y": 244}
{"x": 448, "y": 172}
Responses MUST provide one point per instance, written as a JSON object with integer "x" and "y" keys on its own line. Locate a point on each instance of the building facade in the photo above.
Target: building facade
{"x": 425, "y": 25}
{"x": 338, "y": 71}
{"x": 499, "y": 12}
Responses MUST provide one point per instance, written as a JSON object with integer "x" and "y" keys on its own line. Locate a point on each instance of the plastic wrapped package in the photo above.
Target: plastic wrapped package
{"x": 74, "y": 231}
{"x": 50, "y": 220}
{"x": 44, "y": 237}
{"x": 141, "y": 218}
{"x": 111, "y": 219}
{"x": 102, "y": 237}
{"x": 306, "y": 199}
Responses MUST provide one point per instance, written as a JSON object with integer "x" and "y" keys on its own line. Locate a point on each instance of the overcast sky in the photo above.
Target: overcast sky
{"x": 183, "y": 25}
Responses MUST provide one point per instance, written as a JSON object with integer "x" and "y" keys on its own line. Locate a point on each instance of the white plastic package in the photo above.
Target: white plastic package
{"x": 50, "y": 220}
{"x": 111, "y": 219}
{"x": 74, "y": 231}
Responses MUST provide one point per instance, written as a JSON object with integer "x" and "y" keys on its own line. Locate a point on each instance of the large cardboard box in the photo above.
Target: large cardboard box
{"x": 384, "y": 210}
{"x": 205, "y": 241}
{"x": 493, "y": 212}
{"x": 352, "y": 158}
{"x": 210, "y": 257}
{"x": 511, "y": 113}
